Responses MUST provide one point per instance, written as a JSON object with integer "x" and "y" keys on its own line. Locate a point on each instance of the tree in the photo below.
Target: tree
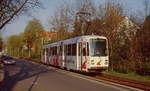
{"x": 28, "y": 43}
{"x": 9, "y": 9}
{"x": 33, "y": 36}
{"x": 140, "y": 48}
{"x": 146, "y": 4}
{"x": 145, "y": 40}
{"x": 113, "y": 13}
{"x": 65, "y": 17}
{"x": 1, "y": 43}
{"x": 15, "y": 45}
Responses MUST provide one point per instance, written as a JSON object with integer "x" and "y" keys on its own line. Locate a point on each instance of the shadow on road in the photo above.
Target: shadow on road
{"x": 21, "y": 71}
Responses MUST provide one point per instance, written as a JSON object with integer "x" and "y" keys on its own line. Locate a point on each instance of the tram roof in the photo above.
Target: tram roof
{"x": 74, "y": 40}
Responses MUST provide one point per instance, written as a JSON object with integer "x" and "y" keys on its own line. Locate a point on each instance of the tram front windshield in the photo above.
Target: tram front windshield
{"x": 98, "y": 47}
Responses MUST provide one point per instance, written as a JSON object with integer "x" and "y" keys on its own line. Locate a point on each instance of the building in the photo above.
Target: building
{"x": 47, "y": 36}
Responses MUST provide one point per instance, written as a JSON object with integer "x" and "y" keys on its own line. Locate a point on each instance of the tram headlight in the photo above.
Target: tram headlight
{"x": 106, "y": 62}
{"x": 98, "y": 63}
{"x": 92, "y": 61}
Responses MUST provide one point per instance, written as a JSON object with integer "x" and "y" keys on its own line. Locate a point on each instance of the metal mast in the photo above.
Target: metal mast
{"x": 85, "y": 19}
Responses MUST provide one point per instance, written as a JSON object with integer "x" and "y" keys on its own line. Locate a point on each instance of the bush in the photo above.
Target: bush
{"x": 145, "y": 69}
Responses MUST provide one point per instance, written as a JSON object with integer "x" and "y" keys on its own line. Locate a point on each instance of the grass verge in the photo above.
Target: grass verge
{"x": 129, "y": 75}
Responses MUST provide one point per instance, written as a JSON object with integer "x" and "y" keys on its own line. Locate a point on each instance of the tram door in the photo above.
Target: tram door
{"x": 44, "y": 57}
{"x": 47, "y": 56}
{"x": 65, "y": 55}
{"x": 82, "y": 56}
{"x": 62, "y": 54}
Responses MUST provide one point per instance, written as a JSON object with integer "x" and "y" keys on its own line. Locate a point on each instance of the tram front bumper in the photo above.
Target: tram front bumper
{"x": 95, "y": 69}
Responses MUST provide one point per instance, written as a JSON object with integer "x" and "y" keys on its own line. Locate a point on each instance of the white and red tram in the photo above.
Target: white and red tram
{"x": 85, "y": 53}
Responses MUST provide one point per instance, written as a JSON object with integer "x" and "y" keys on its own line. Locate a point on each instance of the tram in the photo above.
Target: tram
{"x": 84, "y": 53}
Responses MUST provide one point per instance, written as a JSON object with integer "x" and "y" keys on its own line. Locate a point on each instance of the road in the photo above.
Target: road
{"x": 28, "y": 76}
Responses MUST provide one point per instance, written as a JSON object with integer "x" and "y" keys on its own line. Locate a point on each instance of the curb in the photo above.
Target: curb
{"x": 1, "y": 73}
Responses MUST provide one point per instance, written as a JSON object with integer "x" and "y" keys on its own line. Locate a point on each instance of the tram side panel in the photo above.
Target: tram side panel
{"x": 44, "y": 56}
{"x": 74, "y": 55}
{"x": 70, "y": 58}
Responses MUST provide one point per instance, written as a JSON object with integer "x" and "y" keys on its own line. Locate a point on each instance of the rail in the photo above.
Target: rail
{"x": 125, "y": 81}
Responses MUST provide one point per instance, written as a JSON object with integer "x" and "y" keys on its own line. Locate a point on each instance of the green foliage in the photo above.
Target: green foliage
{"x": 29, "y": 43}
{"x": 62, "y": 34}
{"x": 128, "y": 75}
{"x": 33, "y": 36}
{"x": 15, "y": 44}
{"x": 139, "y": 49}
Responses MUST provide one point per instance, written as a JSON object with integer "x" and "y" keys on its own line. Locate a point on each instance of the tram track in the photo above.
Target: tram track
{"x": 124, "y": 81}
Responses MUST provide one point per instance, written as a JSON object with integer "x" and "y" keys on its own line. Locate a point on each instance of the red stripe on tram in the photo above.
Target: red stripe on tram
{"x": 56, "y": 61}
{"x": 84, "y": 65}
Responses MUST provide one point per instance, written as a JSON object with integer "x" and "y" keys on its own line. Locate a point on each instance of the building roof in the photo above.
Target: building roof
{"x": 49, "y": 35}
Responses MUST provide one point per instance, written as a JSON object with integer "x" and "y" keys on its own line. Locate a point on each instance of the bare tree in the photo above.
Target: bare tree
{"x": 110, "y": 20}
{"x": 146, "y": 4}
{"x": 12, "y": 8}
{"x": 1, "y": 43}
{"x": 65, "y": 15}
{"x": 86, "y": 6}
{"x": 62, "y": 21}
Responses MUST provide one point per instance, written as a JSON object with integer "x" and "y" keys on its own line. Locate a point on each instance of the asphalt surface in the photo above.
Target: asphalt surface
{"x": 28, "y": 76}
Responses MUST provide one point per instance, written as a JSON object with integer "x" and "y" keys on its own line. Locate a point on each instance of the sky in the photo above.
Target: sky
{"x": 19, "y": 23}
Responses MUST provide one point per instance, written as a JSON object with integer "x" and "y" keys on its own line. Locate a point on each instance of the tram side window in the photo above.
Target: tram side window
{"x": 51, "y": 50}
{"x": 84, "y": 51}
{"x": 43, "y": 51}
{"x": 66, "y": 51}
{"x": 79, "y": 46}
{"x": 69, "y": 50}
{"x": 74, "y": 50}
{"x": 55, "y": 50}
{"x": 49, "y": 53}
{"x": 87, "y": 49}
{"x": 60, "y": 51}
{"x": 46, "y": 51}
